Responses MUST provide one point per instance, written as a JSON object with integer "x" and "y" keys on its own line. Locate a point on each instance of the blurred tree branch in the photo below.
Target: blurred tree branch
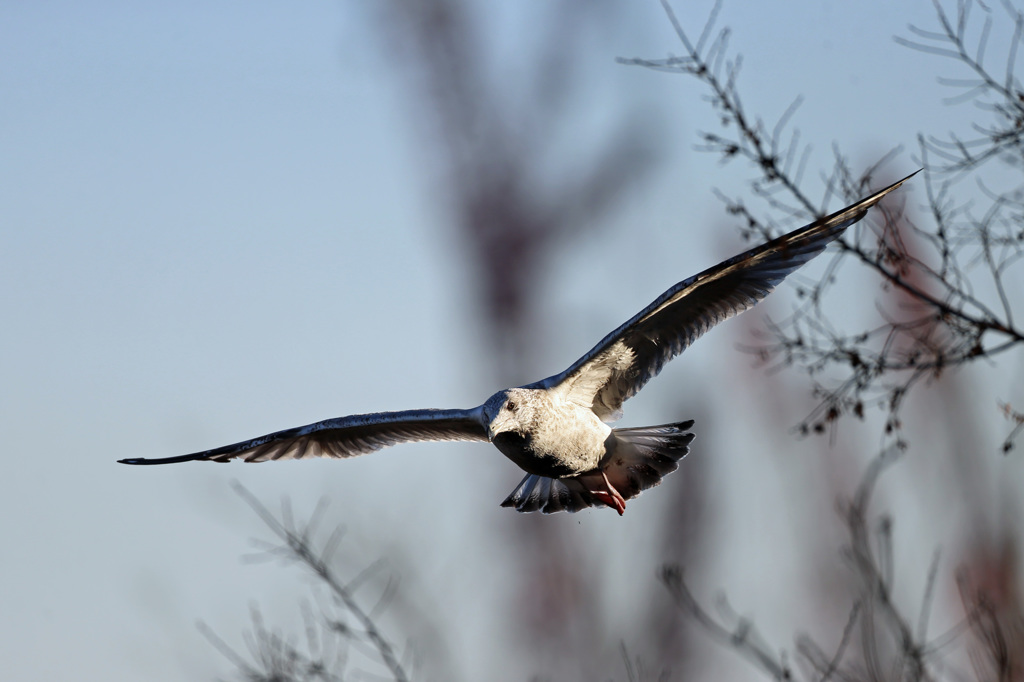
{"x": 495, "y": 137}
{"x": 331, "y": 639}
{"x": 879, "y": 641}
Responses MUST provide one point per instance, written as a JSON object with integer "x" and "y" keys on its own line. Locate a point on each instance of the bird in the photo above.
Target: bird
{"x": 557, "y": 429}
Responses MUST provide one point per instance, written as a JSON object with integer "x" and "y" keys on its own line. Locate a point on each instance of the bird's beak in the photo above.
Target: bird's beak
{"x": 497, "y": 425}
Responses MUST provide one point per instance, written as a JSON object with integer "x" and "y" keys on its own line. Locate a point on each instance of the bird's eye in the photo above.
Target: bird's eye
{"x": 511, "y": 406}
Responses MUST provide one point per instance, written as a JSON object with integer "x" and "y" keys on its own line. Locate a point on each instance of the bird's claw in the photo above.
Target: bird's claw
{"x": 610, "y": 496}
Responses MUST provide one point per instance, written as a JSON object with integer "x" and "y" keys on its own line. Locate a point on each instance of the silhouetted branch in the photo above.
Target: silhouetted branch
{"x": 330, "y": 640}
{"x": 939, "y": 321}
{"x": 1018, "y": 419}
{"x": 741, "y": 634}
{"x": 637, "y": 671}
{"x": 276, "y": 659}
{"x": 878, "y": 641}
{"x": 781, "y": 161}
{"x": 998, "y": 95}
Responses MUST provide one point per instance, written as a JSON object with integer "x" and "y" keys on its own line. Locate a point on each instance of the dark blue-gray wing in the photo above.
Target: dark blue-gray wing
{"x": 619, "y": 366}
{"x": 346, "y": 436}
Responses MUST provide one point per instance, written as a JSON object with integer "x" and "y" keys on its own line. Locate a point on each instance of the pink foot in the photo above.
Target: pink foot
{"x": 610, "y": 496}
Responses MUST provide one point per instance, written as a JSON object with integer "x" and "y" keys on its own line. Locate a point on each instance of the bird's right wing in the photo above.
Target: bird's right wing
{"x": 619, "y": 366}
{"x": 346, "y": 436}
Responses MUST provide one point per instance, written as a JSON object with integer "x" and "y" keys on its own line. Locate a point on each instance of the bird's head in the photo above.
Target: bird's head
{"x": 511, "y": 411}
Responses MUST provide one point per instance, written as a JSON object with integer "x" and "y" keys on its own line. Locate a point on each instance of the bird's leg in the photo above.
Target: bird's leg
{"x": 609, "y": 495}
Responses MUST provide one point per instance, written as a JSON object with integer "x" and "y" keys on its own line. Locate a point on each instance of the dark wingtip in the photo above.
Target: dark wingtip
{"x": 897, "y": 184}
{"x": 900, "y": 182}
{"x": 142, "y": 460}
{"x": 165, "y": 460}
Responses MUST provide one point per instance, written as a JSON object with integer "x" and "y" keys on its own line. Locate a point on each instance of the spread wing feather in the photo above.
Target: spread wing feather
{"x": 619, "y": 366}
{"x": 346, "y": 436}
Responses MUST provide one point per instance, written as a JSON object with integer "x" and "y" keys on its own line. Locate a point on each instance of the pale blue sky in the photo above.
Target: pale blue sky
{"x": 215, "y": 221}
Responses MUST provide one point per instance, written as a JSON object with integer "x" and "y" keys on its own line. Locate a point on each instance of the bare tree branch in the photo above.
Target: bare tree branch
{"x": 940, "y": 323}
{"x": 329, "y": 638}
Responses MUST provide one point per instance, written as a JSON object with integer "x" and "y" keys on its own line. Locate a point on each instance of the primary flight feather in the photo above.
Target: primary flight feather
{"x": 555, "y": 429}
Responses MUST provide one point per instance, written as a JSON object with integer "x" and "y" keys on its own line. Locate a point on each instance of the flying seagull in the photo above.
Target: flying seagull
{"x": 555, "y": 429}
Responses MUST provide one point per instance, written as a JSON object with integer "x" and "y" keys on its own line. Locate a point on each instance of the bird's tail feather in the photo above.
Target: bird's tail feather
{"x": 639, "y": 459}
{"x": 645, "y": 455}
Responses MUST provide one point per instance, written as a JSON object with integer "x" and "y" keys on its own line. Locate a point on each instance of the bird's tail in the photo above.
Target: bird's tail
{"x": 645, "y": 455}
{"x": 638, "y": 459}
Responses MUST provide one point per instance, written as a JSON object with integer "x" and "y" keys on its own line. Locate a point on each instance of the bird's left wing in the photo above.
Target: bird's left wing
{"x": 619, "y": 366}
{"x": 346, "y": 436}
